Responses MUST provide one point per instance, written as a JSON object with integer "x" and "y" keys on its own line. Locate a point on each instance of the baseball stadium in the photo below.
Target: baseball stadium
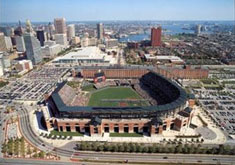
{"x": 119, "y": 101}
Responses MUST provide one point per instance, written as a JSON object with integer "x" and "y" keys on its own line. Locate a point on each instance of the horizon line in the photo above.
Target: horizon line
{"x": 116, "y": 20}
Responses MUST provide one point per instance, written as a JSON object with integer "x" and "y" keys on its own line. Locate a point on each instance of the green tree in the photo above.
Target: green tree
{"x": 41, "y": 154}
{"x": 139, "y": 148}
{"x": 121, "y": 148}
{"x": 145, "y": 149}
{"x": 115, "y": 148}
{"x": 132, "y": 147}
{"x": 127, "y": 148}
{"x": 29, "y": 151}
{"x": 4, "y": 147}
{"x": 100, "y": 148}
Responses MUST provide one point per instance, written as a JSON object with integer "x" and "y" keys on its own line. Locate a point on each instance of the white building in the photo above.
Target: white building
{"x": 85, "y": 42}
{"x": 75, "y": 40}
{"x": 71, "y": 31}
{"x": 5, "y": 43}
{"x": 1, "y": 64}
{"x": 92, "y": 41}
{"x": 20, "y": 45}
{"x": 51, "y": 51}
{"x": 49, "y": 43}
{"x": 61, "y": 39}
{"x": 86, "y": 56}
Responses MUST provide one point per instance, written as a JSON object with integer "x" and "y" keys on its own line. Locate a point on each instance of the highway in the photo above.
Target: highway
{"x": 30, "y": 135}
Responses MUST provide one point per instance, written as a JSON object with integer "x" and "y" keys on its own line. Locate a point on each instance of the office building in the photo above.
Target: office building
{"x": 198, "y": 29}
{"x": 49, "y": 43}
{"x": 5, "y": 43}
{"x": 110, "y": 43}
{"x": 60, "y": 25}
{"x": 84, "y": 42}
{"x": 61, "y": 39}
{"x": 92, "y": 41}
{"x": 156, "y": 34}
{"x": 41, "y": 37}
{"x": 24, "y": 66}
{"x": 29, "y": 28}
{"x": 1, "y": 64}
{"x": 33, "y": 48}
{"x": 20, "y": 45}
{"x": 71, "y": 31}
{"x": 75, "y": 40}
{"x": 100, "y": 31}
{"x": 51, "y": 51}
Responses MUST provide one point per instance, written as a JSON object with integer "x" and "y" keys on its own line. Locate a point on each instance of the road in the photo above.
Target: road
{"x": 28, "y": 133}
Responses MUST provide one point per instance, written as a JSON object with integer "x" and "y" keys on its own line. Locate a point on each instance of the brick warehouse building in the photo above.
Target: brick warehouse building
{"x": 186, "y": 72}
{"x": 172, "y": 111}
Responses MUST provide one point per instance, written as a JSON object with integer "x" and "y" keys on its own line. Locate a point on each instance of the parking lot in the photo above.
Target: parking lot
{"x": 33, "y": 86}
{"x": 220, "y": 105}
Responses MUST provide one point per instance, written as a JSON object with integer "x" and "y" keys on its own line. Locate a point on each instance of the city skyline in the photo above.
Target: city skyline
{"x": 12, "y": 11}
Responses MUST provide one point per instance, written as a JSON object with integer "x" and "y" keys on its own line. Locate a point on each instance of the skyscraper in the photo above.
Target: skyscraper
{"x": 29, "y": 28}
{"x": 41, "y": 37}
{"x": 1, "y": 64}
{"x": 198, "y": 29}
{"x": 156, "y": 36}
{"x": 51, "y": 29}
{"x": 71, "y": 31}
{"x": 5, "y": 43}
{"x": 60, "y": 25}
{"x": 100, "y": 31}
{"x": 61, "y": 39}
{"x": 20, "y": 45}
{"x": 33, "y": 48}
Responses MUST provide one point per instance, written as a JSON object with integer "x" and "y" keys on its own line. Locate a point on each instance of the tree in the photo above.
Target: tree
{"x": 127, "y": 148}
{"x": 100, "y": 148}
{"x": 132, "y": 147}
{"x": 115, "y": 148}
{"x": 95, "y": 146}
{"x": 41, "y": 154}
{"x": 4, "y": 148}
{"x": 145, "y": 149}
{"x": 221, "y": 149}
{"x": 29, "y": 152}
{"x": 121, "y": 148}
{"x": 139, "y": 148}
{"x": 151, "y": 149}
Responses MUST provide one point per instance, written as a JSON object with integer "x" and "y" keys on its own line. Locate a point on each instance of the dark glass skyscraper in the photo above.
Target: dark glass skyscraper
{"x": 41, "y": 37}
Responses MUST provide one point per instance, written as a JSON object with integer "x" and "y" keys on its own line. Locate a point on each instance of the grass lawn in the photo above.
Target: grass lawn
{"x": 126, "y": 135}
{"x": 73, "y": 84}
{"x": 66, "y": 133}
{"x": 114, "y": 93}
{"x": 89, "y": 88}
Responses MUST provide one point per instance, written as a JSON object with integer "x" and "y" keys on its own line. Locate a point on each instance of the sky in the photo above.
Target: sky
{"x": 96, "y": 10}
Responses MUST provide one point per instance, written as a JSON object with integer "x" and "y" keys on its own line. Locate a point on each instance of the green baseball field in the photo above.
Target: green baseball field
{"x": 116, "y": 97}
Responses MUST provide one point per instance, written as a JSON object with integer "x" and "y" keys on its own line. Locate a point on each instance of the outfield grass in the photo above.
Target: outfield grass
{"x": 114, "y": 93}
{"x": 125, "y": 135}
{"x": 66, "y": 133}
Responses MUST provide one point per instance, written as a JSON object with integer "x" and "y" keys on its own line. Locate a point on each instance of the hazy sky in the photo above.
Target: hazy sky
{"x": 80, "y": 10}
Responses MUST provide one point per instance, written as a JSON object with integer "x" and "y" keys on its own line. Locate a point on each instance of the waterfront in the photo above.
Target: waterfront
{"x": 167, "y": 29}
